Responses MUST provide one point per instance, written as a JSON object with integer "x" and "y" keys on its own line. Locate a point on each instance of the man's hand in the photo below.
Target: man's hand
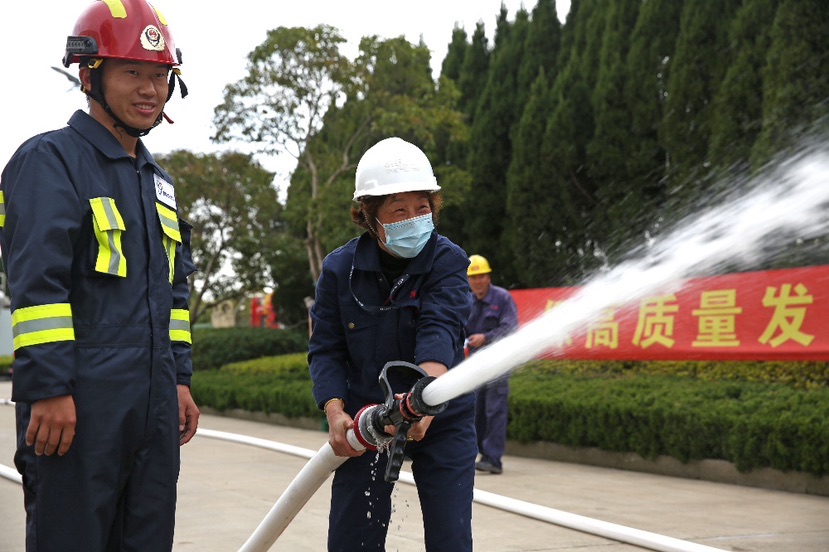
{"x": 476, "y": 341}
{"x": 52, "y": 425}
{"x": 188, "y": 415}
{"x": 339, "y": 422}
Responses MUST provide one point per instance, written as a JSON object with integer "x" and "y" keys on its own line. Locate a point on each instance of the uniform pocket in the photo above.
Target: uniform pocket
{"x": 171, "y": 235}
{"x": 108, "y": 227}
{"x": 361, "y": 336}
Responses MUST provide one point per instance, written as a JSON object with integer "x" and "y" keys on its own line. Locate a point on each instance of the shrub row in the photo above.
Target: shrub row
{"x": 750, "y": 424}
{"x": 272, "y": 384}
{"x": 686, "y": 411}
{"x": 213, "y": 348}
{"x": 6, "y": 367}
{"x": 802, "y": 375}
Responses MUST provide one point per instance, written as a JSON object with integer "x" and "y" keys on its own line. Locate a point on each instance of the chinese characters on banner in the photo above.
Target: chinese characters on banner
{"x": 771, "y": 315}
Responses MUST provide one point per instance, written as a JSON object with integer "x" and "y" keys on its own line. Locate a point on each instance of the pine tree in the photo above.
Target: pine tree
{"x": 697, "y": 70}
{"x": 526, "y": 233}
{"x": 541, "y": 48}
{"x": 647, "y": 68}
{"x": 565, "y": 192}
{"x": 795, "y": 78}
{"x": 450, "y": 153}
{"x": 455, "y": 54}
{"x": 491, "y": 147}
{"x": 474, "y": 70}
{"x": 615, "y": 218}
{"x": 796, "y": 101}
{"x": 564, "y": 249}
{"x": 738, "y": 106}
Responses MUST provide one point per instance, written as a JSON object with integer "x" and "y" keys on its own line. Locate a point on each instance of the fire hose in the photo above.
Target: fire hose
{"x": 400, "y": 409}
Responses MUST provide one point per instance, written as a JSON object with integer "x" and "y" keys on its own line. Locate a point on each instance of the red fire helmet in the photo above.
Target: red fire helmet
{"x": 123, "y": 29}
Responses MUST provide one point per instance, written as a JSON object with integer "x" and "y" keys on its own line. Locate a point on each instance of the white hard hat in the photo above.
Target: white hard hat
{"x": 393, "y": 166}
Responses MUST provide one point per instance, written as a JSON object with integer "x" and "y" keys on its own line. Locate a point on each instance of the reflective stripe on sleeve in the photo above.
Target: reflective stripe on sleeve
{"x": 2, "y": 210}
{"x": 180, "y": 326}
{"x": 42, "y": 324}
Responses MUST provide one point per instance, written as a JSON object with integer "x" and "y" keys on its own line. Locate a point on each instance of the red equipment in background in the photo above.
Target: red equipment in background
{"x": 263, "y": 312}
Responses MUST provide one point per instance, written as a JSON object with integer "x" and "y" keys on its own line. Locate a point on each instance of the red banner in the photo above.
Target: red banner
{"x": 770, "y": 315}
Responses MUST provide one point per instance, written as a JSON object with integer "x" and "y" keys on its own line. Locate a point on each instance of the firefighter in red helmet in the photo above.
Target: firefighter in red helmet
{"x": 97, "y": 261}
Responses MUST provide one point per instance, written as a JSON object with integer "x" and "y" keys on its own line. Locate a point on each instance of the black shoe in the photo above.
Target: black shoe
{"x": 483, "y": 465}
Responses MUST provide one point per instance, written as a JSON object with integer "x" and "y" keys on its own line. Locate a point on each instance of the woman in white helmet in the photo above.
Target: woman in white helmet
{"x": 399, "y": 292}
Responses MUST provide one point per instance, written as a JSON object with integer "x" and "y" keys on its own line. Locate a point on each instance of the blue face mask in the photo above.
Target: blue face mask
{"x": 408, "y": 237}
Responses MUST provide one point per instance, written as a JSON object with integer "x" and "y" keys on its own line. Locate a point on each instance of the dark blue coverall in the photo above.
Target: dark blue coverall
{"x": 360, "y": 322}
{"x": 97, "y": 261}
{"x": 495, "y": 316}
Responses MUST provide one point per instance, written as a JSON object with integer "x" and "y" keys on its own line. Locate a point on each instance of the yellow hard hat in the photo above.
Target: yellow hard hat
{"x": 478, "y": 265}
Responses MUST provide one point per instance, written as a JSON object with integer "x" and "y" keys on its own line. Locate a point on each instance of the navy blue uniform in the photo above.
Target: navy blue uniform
{"x": 360, "y": 322}
{"x": 495, "y": 316}
{"x": 97, "y": 261}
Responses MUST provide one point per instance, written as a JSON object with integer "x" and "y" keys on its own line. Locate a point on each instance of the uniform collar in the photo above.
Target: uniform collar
{"x": 96, "y": 134}
{"x": 367, "y": 255}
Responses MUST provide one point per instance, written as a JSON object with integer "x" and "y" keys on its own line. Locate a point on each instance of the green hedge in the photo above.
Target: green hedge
{"x": 213, "y": 348}
{"x": 272, "y": 384}
{"x": 750, "y": 424}
{"x": 752, "y": 414}
{"x": 6, "y": 366}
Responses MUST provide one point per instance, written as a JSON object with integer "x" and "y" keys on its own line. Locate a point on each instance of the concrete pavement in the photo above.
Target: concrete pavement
{"x": 226, "y": 489}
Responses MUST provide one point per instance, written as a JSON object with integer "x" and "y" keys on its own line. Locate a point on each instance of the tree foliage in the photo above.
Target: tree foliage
{"x": 232, "y": 204}
{"x": 491, "y": 148}
{"x": 795, "y": 87}
{"x": 560, "y": 149}
{"x": 303, "y": 97}
{"x": 294, "y": 78}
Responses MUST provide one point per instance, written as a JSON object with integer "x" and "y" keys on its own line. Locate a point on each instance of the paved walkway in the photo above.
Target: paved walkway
{"x": 227, "y": 488}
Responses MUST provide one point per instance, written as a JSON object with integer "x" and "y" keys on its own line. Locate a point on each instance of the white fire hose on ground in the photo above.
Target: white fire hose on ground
{"x": 324, "y": 462}
{"x": 368, "y": 433}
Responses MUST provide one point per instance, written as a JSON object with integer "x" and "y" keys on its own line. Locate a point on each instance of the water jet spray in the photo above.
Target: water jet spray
{"x": 793, "y": 199}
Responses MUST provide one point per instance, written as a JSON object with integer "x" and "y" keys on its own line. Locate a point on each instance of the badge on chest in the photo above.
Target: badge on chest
{"x": 164, "y": 192}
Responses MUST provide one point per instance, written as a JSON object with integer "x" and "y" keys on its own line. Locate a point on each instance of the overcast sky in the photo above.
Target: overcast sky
{"x": 215, "y": 38}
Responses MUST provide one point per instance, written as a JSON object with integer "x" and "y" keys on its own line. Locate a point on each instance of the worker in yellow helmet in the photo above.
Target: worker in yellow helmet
{"x": 494, "y": 315}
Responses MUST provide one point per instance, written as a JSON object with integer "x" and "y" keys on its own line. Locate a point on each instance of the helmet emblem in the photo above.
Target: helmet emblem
{"x": 152, "y": 39}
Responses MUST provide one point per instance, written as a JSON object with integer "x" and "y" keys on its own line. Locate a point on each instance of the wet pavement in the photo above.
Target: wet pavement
{"x": 227, "y": 488}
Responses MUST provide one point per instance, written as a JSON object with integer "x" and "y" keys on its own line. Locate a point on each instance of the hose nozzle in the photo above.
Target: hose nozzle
{"x": 401, "y": 412}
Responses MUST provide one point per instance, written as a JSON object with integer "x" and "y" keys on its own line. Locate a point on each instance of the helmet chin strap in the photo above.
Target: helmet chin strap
{"x": 132, "y": 131}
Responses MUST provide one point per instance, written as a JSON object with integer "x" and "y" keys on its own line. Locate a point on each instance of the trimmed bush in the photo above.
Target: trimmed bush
{"x": 750, "y": 424}
{"x": 271, "y": 384}
{"x": 213, "y": 348}
{"x": 6, "y": 366}
{"x": 750, "y": 414}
